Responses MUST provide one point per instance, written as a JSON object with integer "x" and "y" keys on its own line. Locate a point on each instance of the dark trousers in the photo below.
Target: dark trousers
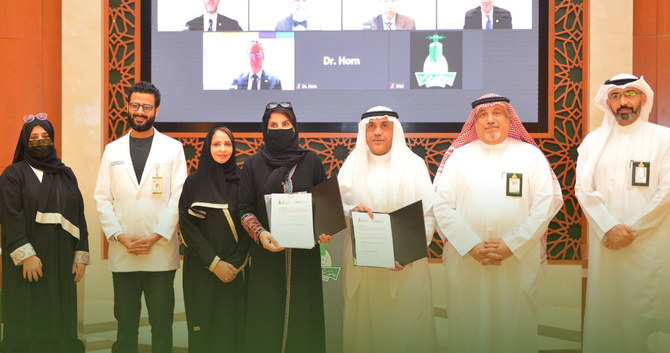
{"x": 158, "y": 288}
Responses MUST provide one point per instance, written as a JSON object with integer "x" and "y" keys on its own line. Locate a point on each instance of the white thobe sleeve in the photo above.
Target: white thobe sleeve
{"x": 169, "y": 216}
{"x": 450, "y": 224}
{"x": 592, "y": 203}
{"x": 658, "y": 208}
{"x": 424, "y": 189}
{"x": 540, "y": 211}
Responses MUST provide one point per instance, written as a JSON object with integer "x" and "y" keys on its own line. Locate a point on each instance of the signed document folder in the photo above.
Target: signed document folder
{"x": 389, "y": 237}
{"x": 297, "y": 220}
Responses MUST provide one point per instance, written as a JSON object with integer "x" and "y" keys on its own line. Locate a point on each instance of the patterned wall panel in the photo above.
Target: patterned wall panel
{"x": 566, "y": 44}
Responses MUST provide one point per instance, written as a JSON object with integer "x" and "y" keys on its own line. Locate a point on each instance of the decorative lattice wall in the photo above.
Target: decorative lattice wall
{"x": 566, "y": 66}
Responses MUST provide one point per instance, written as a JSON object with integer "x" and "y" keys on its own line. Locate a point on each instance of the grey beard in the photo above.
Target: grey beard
{"x": 626, "y": 117}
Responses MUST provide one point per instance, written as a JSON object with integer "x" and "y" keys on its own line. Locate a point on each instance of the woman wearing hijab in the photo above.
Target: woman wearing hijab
{"x": 285, "y": 310}
{"x": 216, "y": 249}
{"x": 44, "y": 245}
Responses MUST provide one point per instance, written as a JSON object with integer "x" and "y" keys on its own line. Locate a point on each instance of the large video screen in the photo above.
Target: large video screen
{"x": 222, "y": 61}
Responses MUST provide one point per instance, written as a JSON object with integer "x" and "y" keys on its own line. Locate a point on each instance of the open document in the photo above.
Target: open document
{"x": 297, "y": 220}
{"x": 389, "y": 237}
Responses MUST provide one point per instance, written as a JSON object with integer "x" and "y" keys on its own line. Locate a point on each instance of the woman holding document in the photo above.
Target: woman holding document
{"x": 217, "y": 250}
{"x": 285, "y": 310}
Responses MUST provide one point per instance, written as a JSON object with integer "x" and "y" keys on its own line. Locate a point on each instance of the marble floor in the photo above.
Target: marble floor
{"x": 559, "y": 330}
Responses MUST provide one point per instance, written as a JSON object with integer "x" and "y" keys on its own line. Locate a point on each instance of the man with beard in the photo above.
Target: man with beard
{"x": 386, "y": 310}
{"x": 623, "y": 186}
{"x": 212, "y": 21}
{"x": 137, "y": 195}
{"x": 496, "y": 194}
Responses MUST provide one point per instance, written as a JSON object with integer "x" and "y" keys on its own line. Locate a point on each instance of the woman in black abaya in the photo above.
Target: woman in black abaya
{"x": 285, "y": 301}
{"x": 217, "y": 249}
{"x": 44, "y": 245}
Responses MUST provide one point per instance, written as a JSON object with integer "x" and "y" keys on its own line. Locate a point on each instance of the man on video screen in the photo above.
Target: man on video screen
{"x": 299, "y": 19}
{"x": 256, "y": 78}
{"x": 211, "y": 20}
{"x": 389, "y": 19}
{"x": 488, "y": 16}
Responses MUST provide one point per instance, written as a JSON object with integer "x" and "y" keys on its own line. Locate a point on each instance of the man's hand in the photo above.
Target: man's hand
{"x": 138, "y": 245}
{"x": 78, "y": 271}
{"x": 143, "y": 244}
{"x": 364, "y": 208}
{"x": 398, "y": 267}
{"x": 478, "y": 252}
{"x": 32, "y": 268}
{"x": 496, "y": 251}
{"x": 619, "y": 237}
{"x": 269, "y": 242}
{"x": 225, "y": 271}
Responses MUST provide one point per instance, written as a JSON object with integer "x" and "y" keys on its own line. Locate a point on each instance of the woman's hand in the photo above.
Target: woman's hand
{"x": 32, "y": 268}
{"x": 78, "y": 270}
{"x": 225, "y": 271}
{"x": 269, "y": 242}
{"x": 325, "y": 239}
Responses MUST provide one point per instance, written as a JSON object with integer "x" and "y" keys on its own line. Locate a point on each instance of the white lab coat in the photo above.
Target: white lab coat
{"x": 126, "y": 207}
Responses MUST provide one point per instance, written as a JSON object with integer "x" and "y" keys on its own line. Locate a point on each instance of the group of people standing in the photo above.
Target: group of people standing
{"x": 491, "y": 202}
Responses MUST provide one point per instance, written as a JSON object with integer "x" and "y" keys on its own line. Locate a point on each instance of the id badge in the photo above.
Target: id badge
{"x": 156, "y": 185}
{"x": 514, "y": 184}
{"x": 640, "y": 175}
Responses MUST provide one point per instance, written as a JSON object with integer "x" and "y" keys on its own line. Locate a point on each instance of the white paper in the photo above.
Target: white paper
{"x": 373, "y": 240}
{"x": 291, "y": 222}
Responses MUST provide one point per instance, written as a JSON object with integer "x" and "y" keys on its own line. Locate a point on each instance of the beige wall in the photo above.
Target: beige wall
{"x": 82, "y": 95}
{"x": 610, "y": 48}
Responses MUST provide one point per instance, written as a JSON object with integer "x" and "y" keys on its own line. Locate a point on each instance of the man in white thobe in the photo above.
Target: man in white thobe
{"x": 623, "y": 186}
{"x": 496, "y": 196}
{"x": 386, "y": 310}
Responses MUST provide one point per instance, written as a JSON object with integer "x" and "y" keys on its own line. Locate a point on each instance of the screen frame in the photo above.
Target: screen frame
{"x": 541, "y": 127}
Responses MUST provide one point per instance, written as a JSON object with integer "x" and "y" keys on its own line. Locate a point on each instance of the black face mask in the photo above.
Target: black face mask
{"x": 281, "y": 138}
{"x": 40, "y": 148}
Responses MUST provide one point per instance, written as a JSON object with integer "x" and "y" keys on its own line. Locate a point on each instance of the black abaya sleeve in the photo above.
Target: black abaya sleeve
{"x": 319, "y": 172}
{"x": 241, "y": 253}
{"x": 12, "y": 217}
{"x": 247, "y": 193}
{"x": 190, "y": 232}
{"x": 82, "y": 244}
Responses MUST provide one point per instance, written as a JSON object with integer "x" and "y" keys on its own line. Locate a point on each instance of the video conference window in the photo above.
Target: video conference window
{"x": 248, "y": 61}
{"x": 295, "y": 15}
{"x": 388, "y": 14}
{"x": 426, "y": 57}
{"x": 488, "y": 14}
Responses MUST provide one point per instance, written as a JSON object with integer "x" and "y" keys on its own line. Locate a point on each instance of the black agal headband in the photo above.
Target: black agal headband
{"x": 621, "y": 82}
{"x": 489, "y": 100}
{"x": 380, "y": 113}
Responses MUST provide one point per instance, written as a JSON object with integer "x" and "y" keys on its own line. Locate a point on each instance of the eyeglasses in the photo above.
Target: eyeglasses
{"x": 627, "y": 94}
{"x": 273, "y": 105}
{"x": 38, "y": 116}
{"x": 134, "y": 106}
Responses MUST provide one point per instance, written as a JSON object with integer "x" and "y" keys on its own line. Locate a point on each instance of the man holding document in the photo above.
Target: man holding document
{"x": 385, "y": 309}
{"x": 496, "y": 196}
